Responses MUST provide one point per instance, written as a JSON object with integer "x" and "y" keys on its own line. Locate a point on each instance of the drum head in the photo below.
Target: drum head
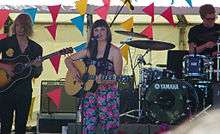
{"x": 170, "y": 101}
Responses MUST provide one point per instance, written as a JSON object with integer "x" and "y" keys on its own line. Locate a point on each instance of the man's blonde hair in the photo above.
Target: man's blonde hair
{"x": 26, "y": 21}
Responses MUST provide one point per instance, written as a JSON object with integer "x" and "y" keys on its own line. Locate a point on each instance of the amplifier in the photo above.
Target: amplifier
{"x": 68, "y": 104}
{"x": 52, "y": 123}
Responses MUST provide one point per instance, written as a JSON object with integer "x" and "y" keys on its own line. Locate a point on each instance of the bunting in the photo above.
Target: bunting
{"x": 148, "y": 31}
{"x": 149, "y": 10}
{"x": 55, "y": 60}
{"x": 128, "y": 24}
{"x": 52, "y": 30}
{"x": 81, "y": 6}
{"x": 31, "y": 12}
{"x": 102, "y": 11}
{"x": 80, "y": 47}
{"x": 79, "y": 22}
{"x": 124, "y": 52}
{"x": 189, "y": 2}
{"x": 3, "y": 16}
{"x": 54, "y": 10}
{"x": 168, "y": 15}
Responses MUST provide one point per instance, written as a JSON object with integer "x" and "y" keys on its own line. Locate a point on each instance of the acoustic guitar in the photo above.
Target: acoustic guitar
{"x": 88, "y": 77}
{"x": 22, "y": 68}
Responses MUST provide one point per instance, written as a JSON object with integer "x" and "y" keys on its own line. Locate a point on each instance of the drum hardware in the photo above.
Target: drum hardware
{"x": 148, "y": 45}
{"x": 132, "y": 34}
{"x": 204, "y": 111}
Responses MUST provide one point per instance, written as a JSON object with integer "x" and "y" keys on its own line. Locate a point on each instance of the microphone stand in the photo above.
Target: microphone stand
{"x": 118, "y": 12}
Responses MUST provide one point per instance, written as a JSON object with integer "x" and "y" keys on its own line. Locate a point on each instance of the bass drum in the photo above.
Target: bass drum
{"x": 170, "y": 101}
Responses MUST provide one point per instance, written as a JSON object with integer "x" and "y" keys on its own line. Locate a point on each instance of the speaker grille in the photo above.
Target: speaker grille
{"x": 68, "y": 104}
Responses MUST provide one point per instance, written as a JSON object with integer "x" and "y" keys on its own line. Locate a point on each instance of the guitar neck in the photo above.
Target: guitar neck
{"x": 110, "y": 77}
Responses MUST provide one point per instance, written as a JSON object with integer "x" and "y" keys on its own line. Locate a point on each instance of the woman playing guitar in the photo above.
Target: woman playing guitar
{"x": 101, "y": 104}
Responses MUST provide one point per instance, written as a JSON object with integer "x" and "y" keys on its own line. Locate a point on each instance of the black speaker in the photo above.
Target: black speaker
{"x": 174, "y": 61}
{"x": 68, "y": 104}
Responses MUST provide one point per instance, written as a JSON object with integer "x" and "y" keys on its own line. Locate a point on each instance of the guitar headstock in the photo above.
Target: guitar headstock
{"x": 66, "y": 51}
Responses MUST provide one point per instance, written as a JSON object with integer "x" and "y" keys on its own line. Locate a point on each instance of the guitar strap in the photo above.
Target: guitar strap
{"x": 107, "y": 50}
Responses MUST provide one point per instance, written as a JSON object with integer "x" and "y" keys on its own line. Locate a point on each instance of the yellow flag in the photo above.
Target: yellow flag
{"x": 31, "y": 108}
{"x": 128, "y": 24}
{"x": 124, "y": 52}
{"x": 127, "y": 4}
{"x": 81, "y": 6}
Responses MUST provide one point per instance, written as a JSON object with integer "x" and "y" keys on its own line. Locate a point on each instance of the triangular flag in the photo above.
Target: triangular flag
{"x": 124, "y": 52}
{"x": 54, "y": 10}
{"x": 81, "y": 6}
{"x": 128, "y": 24}
{"x": 80, "y": 47}
{"x": 150, "y": 11}
{"x": 168, "y": 15}
{"x": 2, "y": 36}
{"x": 128, "y": 5}
{"x": 54, "y": 95}
{"x": 102, "y": 11}
{"x": 32, "y": 12}
{"x": 189, "y": 2}
{"x": 79, "y": 23}
{"x": 106, "y": 2}
{"x": 3, "y": 16}
{"x": 53, "y": 30}
{"x": 31, "y": 108}
{"x": 55, "y": 60}
{"x": 148, "y": 31}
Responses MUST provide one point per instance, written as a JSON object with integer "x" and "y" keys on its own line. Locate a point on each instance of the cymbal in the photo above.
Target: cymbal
{"x": 150, "y": 44}
{"x": 133, "y": 34}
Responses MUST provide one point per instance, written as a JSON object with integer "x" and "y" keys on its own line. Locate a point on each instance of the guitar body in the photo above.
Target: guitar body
{"x": 72, "y": 86}
{"x": 21, "y": 71}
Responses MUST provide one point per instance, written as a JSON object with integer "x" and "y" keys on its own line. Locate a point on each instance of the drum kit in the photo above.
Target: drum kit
{"x": 162, "y": 98}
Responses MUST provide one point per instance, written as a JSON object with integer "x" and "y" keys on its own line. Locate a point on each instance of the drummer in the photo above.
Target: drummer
{"x": 202, "y": 38}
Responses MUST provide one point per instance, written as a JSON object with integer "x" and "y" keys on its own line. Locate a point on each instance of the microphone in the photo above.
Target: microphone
{"x": 129, "y": 2}
{"x": 95, "y": 37}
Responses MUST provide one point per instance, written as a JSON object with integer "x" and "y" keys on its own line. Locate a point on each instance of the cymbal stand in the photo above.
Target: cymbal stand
{"x": 139, "y": 110}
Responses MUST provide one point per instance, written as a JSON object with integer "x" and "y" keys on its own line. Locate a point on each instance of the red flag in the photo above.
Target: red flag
{"x": 168, "y": 15}
{"x": 102, "y": 11}
{"x": 54, "y": 10}
{"x": 150, "y": 11}
{"x": 53, "y": 30}
{"x": 3, "y": 17}
{"x": 55, "y": 60}
{"x": 148, "y": 31}
{"x": 55, "y": 97}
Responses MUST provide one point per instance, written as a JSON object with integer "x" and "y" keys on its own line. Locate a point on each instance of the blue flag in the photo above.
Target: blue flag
{"x": 79, "y": 23}
{"x": 80, "y": 47}
{"x": 32, "y": 12}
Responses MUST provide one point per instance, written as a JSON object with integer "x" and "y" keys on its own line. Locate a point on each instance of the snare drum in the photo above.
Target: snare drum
{"x": 196, "y": 66}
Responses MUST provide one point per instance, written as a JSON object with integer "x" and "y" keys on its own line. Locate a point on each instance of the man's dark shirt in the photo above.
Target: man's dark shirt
{"x": 200, "y": 34}
{"x": 9, "y": 48}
